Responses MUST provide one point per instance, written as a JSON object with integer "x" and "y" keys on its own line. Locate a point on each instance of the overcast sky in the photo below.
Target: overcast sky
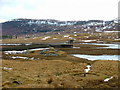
{"x": 59, "y": 9}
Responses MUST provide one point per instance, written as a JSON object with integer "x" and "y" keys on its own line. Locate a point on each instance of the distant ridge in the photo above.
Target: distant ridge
{"x": 22, "y": 26}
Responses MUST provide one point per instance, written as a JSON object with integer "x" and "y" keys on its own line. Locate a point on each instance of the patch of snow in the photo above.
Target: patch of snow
{"x": 88, "y": 68}
{"x": 66, "y": 35}
{"x": 28, "y": 44}
{"x": 14, "y": 52}
{"x": 88, "y": 40}
{"x": 43, "y": 22}
{"x": 111, "y": 31}
{"x": 59, "y": 33}
{"x": 20, "y": 57}
{"x": 54, "y": 38}
{"x": 70, "y": 37}
{"x": 76, "y": 47}
{"x": 6, "y": 68}
{"x": 86, "y": 36}
{"x": 117, "y": 39}
{"x": 32, "y": 58}
{"x": 98, "y": 30}
{"x": 107, "y": 79}
{"x": 75, "y": 35}
{"x": 14, "y": 57}
{"x": 85, "y": 29}
{"x": 38, "y": 49}
{"x": 34, "y": 38}
{"x": 3, "y": 44}
{"x": 45, "y": 38}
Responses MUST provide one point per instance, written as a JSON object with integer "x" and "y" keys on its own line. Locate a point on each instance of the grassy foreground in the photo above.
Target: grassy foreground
{"x": 59, "y": 74}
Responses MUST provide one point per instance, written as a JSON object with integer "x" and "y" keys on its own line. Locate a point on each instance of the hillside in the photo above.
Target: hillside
{"x": 43, "y": 26}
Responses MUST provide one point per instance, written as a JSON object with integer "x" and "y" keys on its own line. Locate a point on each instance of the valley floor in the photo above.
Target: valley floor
{"x": 36, "y": 69}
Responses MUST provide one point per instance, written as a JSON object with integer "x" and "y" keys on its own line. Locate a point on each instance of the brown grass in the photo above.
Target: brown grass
{"x": 63, "y": 71}
{"x": 58, "y": 74}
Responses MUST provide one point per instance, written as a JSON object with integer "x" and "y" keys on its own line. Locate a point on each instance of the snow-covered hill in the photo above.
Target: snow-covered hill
{"x": 31, "y": 26}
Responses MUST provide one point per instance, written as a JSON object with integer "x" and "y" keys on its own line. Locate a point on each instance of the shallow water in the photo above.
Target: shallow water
{"x": 98, "y": 57}
{"x": 112, "y": 46}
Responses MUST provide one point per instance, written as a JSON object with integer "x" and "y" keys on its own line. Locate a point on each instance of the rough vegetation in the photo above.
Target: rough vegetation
{"x": 56, "y": 67}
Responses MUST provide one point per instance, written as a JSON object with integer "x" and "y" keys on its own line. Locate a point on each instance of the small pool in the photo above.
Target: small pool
{"x": 98, "y": 57}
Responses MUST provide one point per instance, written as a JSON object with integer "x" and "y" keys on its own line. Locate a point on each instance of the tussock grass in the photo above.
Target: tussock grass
{"x": 59, "y": 74}
{"x": 64, "y": 70}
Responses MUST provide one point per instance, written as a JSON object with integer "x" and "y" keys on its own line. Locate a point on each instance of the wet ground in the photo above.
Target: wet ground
{"x": 57, "y": 68}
